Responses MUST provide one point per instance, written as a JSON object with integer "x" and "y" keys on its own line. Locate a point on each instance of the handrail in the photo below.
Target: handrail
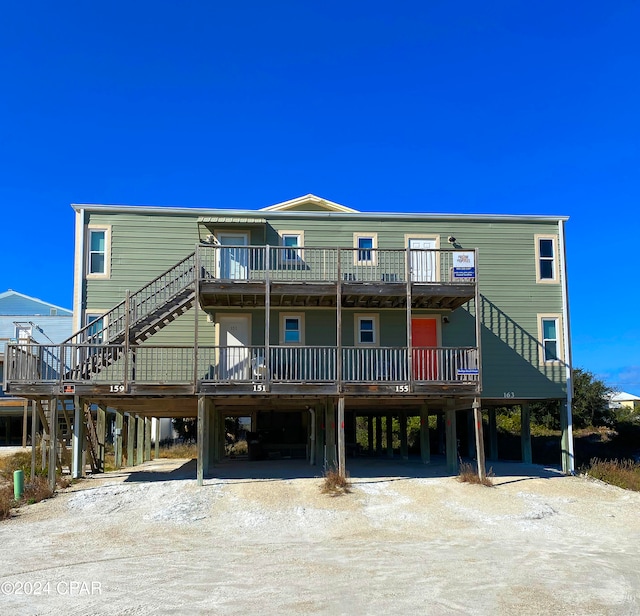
{"x": 141, "y": 304}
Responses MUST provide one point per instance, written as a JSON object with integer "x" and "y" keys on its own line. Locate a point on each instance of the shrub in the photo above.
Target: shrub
{"x": 469, "y": 474}
{"x": 37, "y": 490}
{"x": 6, "y": 501}
{"x": 335, "y": 484}
{"x": 622, "y": 473}
{"x": 183, "y": 450}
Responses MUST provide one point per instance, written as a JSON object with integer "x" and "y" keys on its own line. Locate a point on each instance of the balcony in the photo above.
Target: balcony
{"x": 243, "y": 276}
{"x": 114, "y": 370}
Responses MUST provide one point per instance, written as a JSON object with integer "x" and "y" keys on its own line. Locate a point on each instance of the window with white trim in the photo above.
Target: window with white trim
{"x": 291, "y": 242}
{"x": 546, "y": 258}
{"x": 366, "y": 244}
{"x": 366, "y": 329}
{"x": 98, "y": 254}
{"x": 291, "y": 329}
{"x": 550, "y": 336}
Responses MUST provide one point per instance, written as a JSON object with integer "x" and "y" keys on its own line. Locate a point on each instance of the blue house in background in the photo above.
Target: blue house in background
{"x": 29, "y": 319}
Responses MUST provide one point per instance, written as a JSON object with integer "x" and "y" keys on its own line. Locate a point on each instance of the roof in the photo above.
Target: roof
{"x": 317, "y": 207}
{"x": 13, "y": 303}
{"x": 623, "y": 396}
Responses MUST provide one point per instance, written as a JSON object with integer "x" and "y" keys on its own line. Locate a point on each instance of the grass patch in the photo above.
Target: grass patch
{"x": 6, "y": 501}
{"x": 469, "y": 474}
{"x": 622, "y": 473}
{"x": 182, "y": 450}
{"x": 335, "y": 484}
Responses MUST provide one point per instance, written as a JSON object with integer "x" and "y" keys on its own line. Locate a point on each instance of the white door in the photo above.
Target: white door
{"x": 423, "y": 263}
{"x": 234, "y": 340}
{"x": 233, "y": 262}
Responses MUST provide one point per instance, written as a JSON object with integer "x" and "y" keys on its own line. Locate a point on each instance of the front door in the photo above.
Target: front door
{"x": 423, "y": 264}
{"x": 424, "y": 339}
{"x": 234, "y": 340}
{"x": 233, "y": 262}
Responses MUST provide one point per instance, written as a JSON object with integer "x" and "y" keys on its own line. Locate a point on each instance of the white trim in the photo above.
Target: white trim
{"x": 313, "y": 199}
{"x": 375, "y": 318}
{"x": 107, "y": 252}
{"x": 554, "y": 240}
{"x": 78, "y": 271}
{"x": 374, "y": 249}
{"x": 281, "y": 331}
{"x": 541, "y": 316}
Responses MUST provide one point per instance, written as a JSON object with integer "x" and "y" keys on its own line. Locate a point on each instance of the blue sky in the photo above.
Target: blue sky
{"x": 511, "y": 106}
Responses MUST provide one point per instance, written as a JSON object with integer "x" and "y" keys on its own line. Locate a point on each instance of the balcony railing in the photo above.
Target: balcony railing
{"x": 291, "y": 264}
{"x": 149, "y": 364}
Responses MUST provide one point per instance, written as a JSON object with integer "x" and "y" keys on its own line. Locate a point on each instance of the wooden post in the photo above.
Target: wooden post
{"x": 156, "y": 450}
{"x": 477, "y": 415}
{"x": 201, "y": 439}
{"x": 451, "y": 438}
{"x": 78, "y": 439}
{"x": 147, "y": 439}
{"x": 131, "y": 439}
{"x": 525, "y": 432}
{"x": 53, "y": 441}
{"x": 493, "y": 434}
{"x": 342, "y": 465}
{"x": 565, "y": 445}
{"x": 118, "y": 439}
{"x": 425, "y": 445}
{"x": 25, "y": 413}
{"x": 370, "y": 434}
{"x": 404, "y": 443}
{"x": 330, "y": 433}
{"x": 320, "y": 433}
{"x": 34, "y": 431}
{"x": 378, "y": 420}
{"x": 140, "y": 444}
{"x": 389, "y": 430}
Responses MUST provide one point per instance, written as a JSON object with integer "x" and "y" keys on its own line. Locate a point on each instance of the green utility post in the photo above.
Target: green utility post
{"x": 18, "y": 484}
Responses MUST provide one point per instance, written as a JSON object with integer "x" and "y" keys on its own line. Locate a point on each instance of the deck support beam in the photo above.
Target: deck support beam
{"x": 471, "y": 441}
{"x": 451, "y": 438}
{"x": 101, "y": 432}
{"x": 78, "y": 439}
{"x": 566, "y": 446}
{"x": 378, "y": 435}
{"x": 156, "y": 442}
{"x": 404, "y": 441}
{"x": 53, "y": 441}
{"x": 477, "y": 416}
{"x": 342, "y": 450}
{"x": 425, "y": 445}
{"x": 203, "y": 441}
{"x": 147, "y": 439}
{"x": 319, "y": 444}
{"x": 389, "y": 431}
{"x": 140, "y": 443}
{"x": 525, "y": 432}
{"x": 118, "y": 439}
{"x": 493, "y": 434}
{"x": 34, "y": 430}
{"x": 330, "y": 428}
{"x": 131, "y": 439}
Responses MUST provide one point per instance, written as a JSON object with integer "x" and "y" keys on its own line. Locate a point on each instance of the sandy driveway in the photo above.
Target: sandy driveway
{"x": 153, "y": 542}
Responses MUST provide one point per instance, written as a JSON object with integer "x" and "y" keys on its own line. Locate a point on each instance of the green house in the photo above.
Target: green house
{"x": 307, "y": 316}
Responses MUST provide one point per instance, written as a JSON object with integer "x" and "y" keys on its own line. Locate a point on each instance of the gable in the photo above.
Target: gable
{"x": 308, "y": 203}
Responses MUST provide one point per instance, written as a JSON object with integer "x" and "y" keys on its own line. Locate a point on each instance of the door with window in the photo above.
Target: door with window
{"x": 423, "y": 260}
{"x": 424, "y": 339}
{"x": 234, "y": 259}
{"x": 234, "y": 340}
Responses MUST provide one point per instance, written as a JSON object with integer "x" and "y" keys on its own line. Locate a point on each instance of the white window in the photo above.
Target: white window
{"x": 366, "y": 329}
{"x": 291, "y": 329}
{"x": 546, "y": 258}
{"x": 96, "y": 331}
{"x": 98, "y": 262}
{"x": 366, "y": 245}
{"x": 550, "y": 335}
{"x": 292, "y": 242}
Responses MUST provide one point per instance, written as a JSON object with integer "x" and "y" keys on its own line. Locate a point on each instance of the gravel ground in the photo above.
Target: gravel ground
{"x": 406, "y": 540}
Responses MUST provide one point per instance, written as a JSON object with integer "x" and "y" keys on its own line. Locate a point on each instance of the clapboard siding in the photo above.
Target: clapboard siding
{"x": 144, "y": 245}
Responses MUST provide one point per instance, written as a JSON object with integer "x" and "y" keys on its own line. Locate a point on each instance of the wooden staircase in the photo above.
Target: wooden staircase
{"x": 144, "y": 313}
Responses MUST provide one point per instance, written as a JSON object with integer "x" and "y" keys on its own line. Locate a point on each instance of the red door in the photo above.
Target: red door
{"x": 424, "y": 333}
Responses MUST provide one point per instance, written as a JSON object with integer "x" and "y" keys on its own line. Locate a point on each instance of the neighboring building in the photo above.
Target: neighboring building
{"x": 624, "y": 400}
{"x": 367, "y": 314}
{"x": 25, "y": 319}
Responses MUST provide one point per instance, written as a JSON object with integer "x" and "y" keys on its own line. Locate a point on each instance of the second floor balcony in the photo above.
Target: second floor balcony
{"x": 293, "y": 370}
{"x": 310, "y": 276}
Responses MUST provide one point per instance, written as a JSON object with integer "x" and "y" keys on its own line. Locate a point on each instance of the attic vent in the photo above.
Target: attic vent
{"x": 53, "y": 312}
